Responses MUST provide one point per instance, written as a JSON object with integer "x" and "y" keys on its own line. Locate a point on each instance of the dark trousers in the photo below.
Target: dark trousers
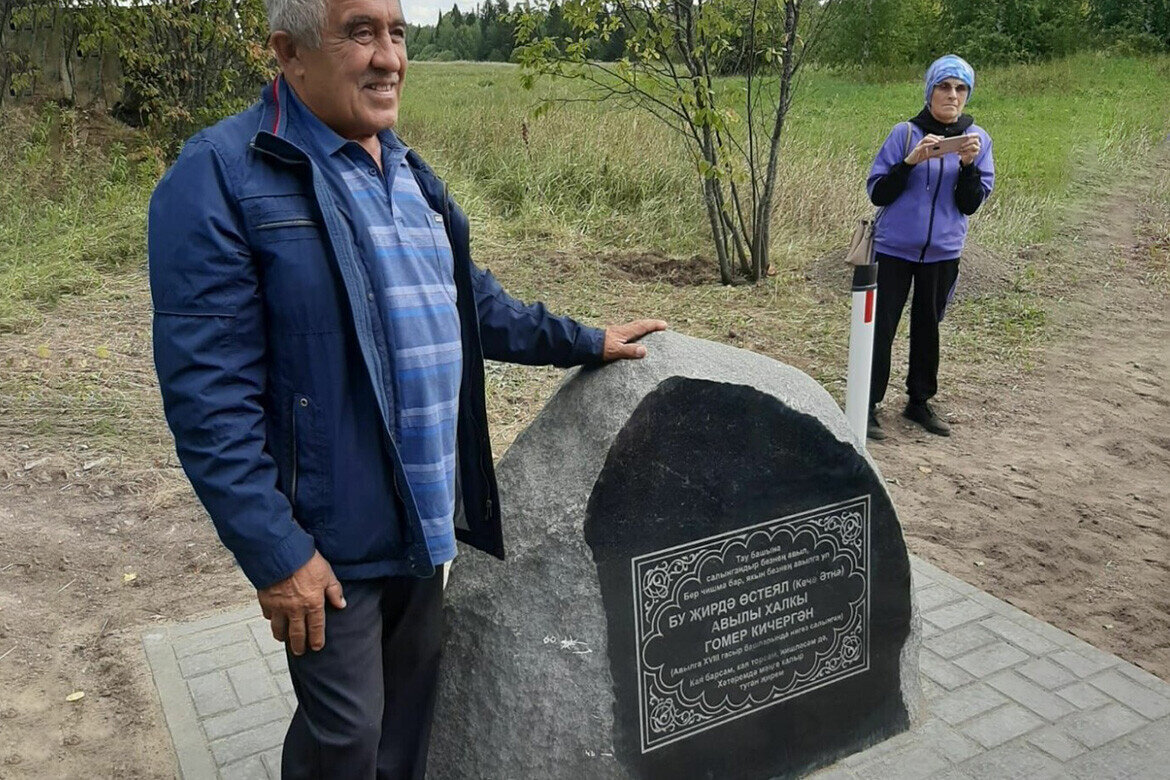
{"x": 934, "y": 283}
{"x": 366, "y": 700}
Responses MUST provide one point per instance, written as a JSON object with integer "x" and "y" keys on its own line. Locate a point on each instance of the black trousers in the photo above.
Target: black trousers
{"x": 366, "y": 699}
{"x": 933, "y": 283}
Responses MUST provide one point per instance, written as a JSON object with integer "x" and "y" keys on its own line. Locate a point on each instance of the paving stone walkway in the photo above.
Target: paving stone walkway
{"x": 1009, "y": 696}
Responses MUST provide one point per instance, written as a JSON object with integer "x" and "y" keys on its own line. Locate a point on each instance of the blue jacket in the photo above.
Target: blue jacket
{"x": 273, "y": 363}
{"x": 924, "y": 223}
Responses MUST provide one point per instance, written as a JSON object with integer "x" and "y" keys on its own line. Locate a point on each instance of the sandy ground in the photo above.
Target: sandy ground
{"x": 1053, "y": 491}
{"x": 1052, "y": 494}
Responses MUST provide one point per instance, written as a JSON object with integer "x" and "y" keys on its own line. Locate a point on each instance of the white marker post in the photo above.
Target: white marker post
{"x": 861, "y": 348}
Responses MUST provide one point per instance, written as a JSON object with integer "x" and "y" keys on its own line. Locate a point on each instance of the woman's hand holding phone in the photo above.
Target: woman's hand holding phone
{"x": 923, "y": 149}
{"x": 932, "y": 145}
{"x": 970, "y": 149}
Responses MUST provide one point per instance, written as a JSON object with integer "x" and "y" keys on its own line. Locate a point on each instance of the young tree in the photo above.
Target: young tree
{"x": 672, "y": 54}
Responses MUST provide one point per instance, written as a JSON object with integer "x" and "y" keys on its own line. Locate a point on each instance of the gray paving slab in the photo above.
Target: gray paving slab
{"x": 1001, "y": 725}
{"x": 1017, "y": 761}
{"x": 966, "y": 703}
{"x": 933, "y": 596}
{"x": 1137, "y": 697}
{"x": 1056, "y": 743}
{"x": 1044, "y": 703}
{"x": 1097, "y": 728}
{"x": 990, "y": 659}
{"x": 960, "y": 641}
{"x": 1008, "y": 696}
{"x": 1046, "y": 674}
{"x": 1083, "y": 696}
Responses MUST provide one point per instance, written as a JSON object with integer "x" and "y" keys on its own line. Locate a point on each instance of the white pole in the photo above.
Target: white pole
{"x": 861, "y": 348}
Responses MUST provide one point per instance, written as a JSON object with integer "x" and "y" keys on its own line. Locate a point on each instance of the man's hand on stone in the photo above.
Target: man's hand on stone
{"x": 619, "y": 339}
{"x": 296, "y": 606}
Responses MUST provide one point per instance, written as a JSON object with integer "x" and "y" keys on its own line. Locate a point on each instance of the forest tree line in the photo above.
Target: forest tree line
{"x": 176, "y": 65}
{"x": 874, "y": 33}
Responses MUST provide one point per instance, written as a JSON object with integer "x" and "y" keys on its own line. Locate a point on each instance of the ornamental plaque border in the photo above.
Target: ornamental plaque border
{"x": 827, "y": 523}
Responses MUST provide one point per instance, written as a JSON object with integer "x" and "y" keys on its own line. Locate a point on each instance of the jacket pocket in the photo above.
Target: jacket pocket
{"x": 300, "y": 289}
{"x": 288, "y": 229}
{"x": 279, "y": 218}
{"x": 311, "y": 482}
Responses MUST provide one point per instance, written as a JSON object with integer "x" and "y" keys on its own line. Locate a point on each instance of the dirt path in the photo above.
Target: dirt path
{"x": 81, "y": 576}
{"x": 1053, "y": 492}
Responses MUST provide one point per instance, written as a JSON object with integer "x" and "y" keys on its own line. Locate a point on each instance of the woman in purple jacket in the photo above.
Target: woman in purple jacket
{"x": 925, "y": 196}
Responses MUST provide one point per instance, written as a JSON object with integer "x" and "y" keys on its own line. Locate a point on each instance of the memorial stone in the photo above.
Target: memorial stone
{"x": 706, "y": 579}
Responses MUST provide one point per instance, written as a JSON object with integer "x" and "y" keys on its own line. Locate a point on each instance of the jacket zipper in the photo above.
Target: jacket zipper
{"x": 933, "y": 204}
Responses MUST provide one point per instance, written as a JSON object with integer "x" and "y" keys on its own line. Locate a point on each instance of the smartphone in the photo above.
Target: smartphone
{"x": 949, "y": 145}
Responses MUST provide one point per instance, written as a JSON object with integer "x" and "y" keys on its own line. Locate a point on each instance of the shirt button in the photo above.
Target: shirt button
{"x": 373, "y": 171}
{"x": 370, "y": 296}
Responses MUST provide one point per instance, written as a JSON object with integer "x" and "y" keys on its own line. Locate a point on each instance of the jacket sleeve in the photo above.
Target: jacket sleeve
{"x": 975, "y": 180}
{"x": 528, "y": 333}
{"x": 209, "y": 351}
{"x": 889, "y": 173}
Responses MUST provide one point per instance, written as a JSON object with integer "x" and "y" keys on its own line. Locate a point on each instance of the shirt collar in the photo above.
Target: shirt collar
{"x": 322, "y": 137}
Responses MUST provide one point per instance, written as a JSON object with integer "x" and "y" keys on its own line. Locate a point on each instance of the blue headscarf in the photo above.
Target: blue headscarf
{"x": 950, "y": 66}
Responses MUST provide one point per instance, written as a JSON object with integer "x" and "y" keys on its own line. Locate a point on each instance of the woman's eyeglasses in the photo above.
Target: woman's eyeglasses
{"x": 948, "y": 87}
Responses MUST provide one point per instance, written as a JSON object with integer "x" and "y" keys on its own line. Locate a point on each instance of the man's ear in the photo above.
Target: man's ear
{"x": 288, "y": 53}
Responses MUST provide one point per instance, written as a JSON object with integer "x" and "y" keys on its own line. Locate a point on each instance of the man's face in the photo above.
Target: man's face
{"x": 353, "y": 82}
{"x": 947, "y": 100}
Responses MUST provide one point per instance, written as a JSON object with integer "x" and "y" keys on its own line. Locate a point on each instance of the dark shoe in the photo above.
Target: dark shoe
{"x": 873, "y": 429}
{"x": 921, "y": 413}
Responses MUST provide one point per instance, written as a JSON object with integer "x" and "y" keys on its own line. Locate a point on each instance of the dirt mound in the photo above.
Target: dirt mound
{"x": 981, "y": 272}
{"x": 652, "y": 267}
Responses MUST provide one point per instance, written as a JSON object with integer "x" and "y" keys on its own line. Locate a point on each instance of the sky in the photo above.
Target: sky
{"x": 427, "y": 11}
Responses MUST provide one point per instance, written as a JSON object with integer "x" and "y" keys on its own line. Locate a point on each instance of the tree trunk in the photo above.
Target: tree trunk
{"x": 717, "y": 230}
{"x": 761, "y": 228}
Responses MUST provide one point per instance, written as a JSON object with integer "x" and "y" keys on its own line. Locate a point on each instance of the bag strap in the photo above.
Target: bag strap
{"x": 905, "y": 153}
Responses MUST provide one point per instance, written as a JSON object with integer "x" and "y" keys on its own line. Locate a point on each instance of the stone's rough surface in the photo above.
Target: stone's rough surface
{"x": 706, "y": 579}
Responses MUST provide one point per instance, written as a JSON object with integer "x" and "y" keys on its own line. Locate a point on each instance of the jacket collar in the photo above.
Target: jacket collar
{"x": 273, "y": 118}
{"x": 273, "y": 138}
{"x": 281, "y": 103}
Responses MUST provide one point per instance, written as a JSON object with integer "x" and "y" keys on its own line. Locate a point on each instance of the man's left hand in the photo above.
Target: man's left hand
{"x": 619, "y": 339}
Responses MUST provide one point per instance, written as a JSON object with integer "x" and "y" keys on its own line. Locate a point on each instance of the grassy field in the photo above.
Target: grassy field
{"x": 595, "y": 211}
{"x": 613, "y": 179}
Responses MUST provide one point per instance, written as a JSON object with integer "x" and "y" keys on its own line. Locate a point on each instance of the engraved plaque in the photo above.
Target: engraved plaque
{"x": 734, "y": 623}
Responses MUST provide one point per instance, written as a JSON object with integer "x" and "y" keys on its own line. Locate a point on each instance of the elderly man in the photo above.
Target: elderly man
{"x": 319, "y": 334}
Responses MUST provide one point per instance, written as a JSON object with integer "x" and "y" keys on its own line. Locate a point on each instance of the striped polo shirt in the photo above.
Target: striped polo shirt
{"x": 404, "y": 247}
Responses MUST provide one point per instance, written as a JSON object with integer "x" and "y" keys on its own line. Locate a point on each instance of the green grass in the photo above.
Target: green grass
{"x": 615, "y": 179}
{"x": 72, "y": 207}
{"x": 557, "y": 216}
{"x": 593, "y": 179}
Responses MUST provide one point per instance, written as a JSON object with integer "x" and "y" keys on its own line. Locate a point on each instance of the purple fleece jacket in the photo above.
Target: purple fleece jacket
{"x": 924, "y": 223}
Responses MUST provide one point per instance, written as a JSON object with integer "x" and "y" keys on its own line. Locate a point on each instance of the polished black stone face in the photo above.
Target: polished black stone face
{"x": 756, "y": 588}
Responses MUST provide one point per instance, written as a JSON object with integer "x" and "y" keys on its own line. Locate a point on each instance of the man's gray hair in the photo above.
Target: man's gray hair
{"x": 302, "y": 19}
